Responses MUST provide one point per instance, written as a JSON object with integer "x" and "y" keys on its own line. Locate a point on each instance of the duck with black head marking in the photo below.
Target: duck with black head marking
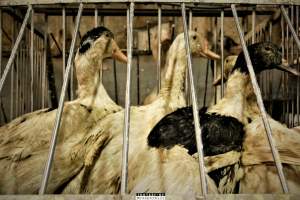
{"x": 222, "y": 124}
{"x": 24, "y": 142}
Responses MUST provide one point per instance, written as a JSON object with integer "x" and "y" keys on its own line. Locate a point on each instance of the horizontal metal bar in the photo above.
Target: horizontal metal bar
{"x": 197, "y": 12}
{"x": 60, "y": 106}
{"x": 260, "y": 103}
{"x": 268, "y": 2}
{"x": 199, "y": 142}
{"x": 15, "y": 48}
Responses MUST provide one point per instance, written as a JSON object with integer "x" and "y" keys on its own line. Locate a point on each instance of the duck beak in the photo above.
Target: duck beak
{"x": 117, "y": 53}
{"x": 206, "y": 53}
{"x": 285, "y": 67}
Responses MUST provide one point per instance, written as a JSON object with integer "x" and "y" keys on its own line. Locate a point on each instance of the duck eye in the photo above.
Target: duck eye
{"x": 194, "y": 37}
{"x": 107, "y": 35}
{"x": 267, "y": 48}
{"x": 227, "y": 61}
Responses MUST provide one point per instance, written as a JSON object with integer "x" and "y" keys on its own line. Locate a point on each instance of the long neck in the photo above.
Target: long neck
{"x": 232, "y": 104}
{"x": 173, "y": 81}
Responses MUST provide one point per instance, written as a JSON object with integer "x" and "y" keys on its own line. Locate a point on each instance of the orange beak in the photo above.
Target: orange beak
{"x": 207, "y": 53}
{"x": 117, "y": 53}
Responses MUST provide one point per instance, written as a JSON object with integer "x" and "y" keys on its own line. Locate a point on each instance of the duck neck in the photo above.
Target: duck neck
{"x": 173, "y": 81}
{"x": 232, "y": 104}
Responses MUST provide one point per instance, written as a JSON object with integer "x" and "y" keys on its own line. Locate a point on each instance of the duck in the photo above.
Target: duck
{"x": 24, "y": 143}
{"x": 167, "y": 170}
{"x": 259, "y": 171}
{"x": 222, "y": 124}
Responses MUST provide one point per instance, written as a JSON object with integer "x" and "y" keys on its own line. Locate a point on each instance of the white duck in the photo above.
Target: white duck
{"x": 24, "y": 142}
{"x": 169, "y": 169}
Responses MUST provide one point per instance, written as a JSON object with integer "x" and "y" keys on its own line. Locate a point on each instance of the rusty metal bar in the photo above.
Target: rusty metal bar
{"x": 260, "y": 103}
{"x": 195, "y": 106}
{"x": 60, "y": 106}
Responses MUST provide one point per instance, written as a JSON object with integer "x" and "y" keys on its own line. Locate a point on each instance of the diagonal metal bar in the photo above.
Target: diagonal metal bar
{"x": 124, "y": 175}
{"x": 195, "y": 106}
{"x": 60, "y": 106}
{"x": 15, "y": 48}
{"x": 257, "y": 92}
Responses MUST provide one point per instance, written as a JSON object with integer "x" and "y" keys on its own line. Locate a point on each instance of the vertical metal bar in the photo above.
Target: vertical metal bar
{"x": 287, "y": 76}
{"x": 283, "y": 74}
{"x": 115, "y": 81}
{"x": 44, "y": 62}
{"x": 253, "y": 25}
{"x": 0, "y": 43}
{"x": 17, "y": 79}
{"x": 12, "y": 72}
{"x": 31, "y": 60}
{"x": 138, "y": 77}
{"x": 298, "y": 68}
{"x": 96, "y": 17}
{"x": 215, "y": 23}
{"x": 60, "y": 106}
{"x": 187, "y": 77}
{"x": 15, "y": 48}
{"x": 292, "y": 61}
{"x": 222, "y": 53}
{"x": 64, "y": 40}
{"x": 124, "y": 175}
{"x": 271, "y": 75}
{"x": 158, "y": 64}
{"x": 260, "y": 103}
{"x": 195, "y": 106}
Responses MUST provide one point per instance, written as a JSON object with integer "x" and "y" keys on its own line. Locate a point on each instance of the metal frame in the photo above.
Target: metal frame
{"x": 260, "y": 103}
{"x": 195, "y": 106}
{"x": 41, "y": 61}
{"x": 124, "y": 173}
{"x": 60, "y": 106}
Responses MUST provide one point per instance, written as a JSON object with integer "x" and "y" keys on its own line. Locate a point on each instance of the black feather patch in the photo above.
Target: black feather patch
{"x": 220, "y": 134}
{"x": 91, "y": 36}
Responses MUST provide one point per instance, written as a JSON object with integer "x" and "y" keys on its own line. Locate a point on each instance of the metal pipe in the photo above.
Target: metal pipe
{"x": 298, "y": 68}
{"x": 60, "y": 106}
{"x": 64, "y": 40}
{"x": 124, "y": 175}
{"x": 45, "y": 62}
{"x": 96, "y": 17}
{"x": 195, "y": 106}
{"x": 214, "y": 62}
{"x": 187, "y": 77}
{"x": 283, "y": 75}
{"x": 287, "y": 77}
{"x": 115, "y": 81}
{"x": 138, "y": 78}
{"x": 292, "y": 59}
{"x": 287, "y": 19}
{"x": 0, "y": 43}
{"x": 158, "y": 64}
{"x": 17, "y": 69}
{"x": 222, "y": 53}
{"x": 15, "y": 48}
{"x": 31, "y": 61}
{"x": 253, "y": 25}
{"x": 257, "y": 92}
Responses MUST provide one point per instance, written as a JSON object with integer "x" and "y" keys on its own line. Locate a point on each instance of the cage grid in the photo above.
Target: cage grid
{"x": 30, "y": 47}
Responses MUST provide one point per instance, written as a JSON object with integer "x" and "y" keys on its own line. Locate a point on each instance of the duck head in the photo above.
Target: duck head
{"x": 264, "y": 56}
{"x": 99, "y": 44}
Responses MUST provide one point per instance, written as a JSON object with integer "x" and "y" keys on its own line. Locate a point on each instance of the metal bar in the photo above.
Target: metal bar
{"x": 44, "y": 62}
{"x": 187, "y": 77}
{"x": 60, "y": 106}
{"x": 138, "y": 77}
{"x": 158, "y": 64}
{"x": 222, "y": 53}
{"x": 283, "y": 75}
{"x": 215, "y": 24}
{"x": 0, "y": 43}
{"x": 15, "y": 48}
{"x": 17, "y": 69}
{"x": 249, "y": 2}
{"x": 271, "y": 75}
{"x": 96, "y": 17}
{"x": 31, "y": 61}
{"x": 115, "y": 81}
{"x": 253, "y": 25}
{"x": 298, "y": 78}
{"x": 292, "y": 61}
{"x": 63, "y": 40}
{"x": 195, "y": 106}
{"x": 124, "y": 175}
{"x": 287, "y": 76}
{"x": 287, "y": 19}
{"x": 12, "y": 72}
{"x": 257, "y": 92}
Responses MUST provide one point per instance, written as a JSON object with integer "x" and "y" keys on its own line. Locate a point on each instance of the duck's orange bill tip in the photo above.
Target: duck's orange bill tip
{"x": 211, "y": 55}
{"x": 118, "y": 55}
